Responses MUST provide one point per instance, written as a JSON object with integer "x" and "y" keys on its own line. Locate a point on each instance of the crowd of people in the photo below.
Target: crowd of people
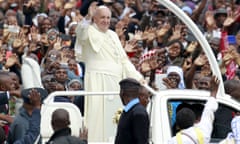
{"x": 65, "y": 45}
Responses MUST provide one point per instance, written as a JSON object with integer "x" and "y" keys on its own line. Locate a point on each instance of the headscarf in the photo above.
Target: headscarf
{"x": 75, "y": 80}
{"x": 35, "y": 19}
{"x": 179, "y": 71}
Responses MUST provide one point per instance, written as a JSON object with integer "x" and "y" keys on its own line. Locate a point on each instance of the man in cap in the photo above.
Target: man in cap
{"x": 133, "y": 127}
{"x": 220, "y": 16}
{"x": 20, "y": 125}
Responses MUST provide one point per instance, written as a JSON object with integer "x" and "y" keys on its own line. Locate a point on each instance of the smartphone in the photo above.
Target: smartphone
{"x": 231, "y": 39}
{"x": 159, "y": 81}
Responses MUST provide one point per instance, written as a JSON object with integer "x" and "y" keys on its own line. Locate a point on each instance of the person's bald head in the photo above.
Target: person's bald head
{"x": 231, "y": 87}
{"x": 60, "y": 119}
{"x": 102, "y": 18}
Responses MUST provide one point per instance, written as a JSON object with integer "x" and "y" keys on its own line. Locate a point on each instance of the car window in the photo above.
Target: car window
{"x": 222, "y": 122}
{"x": 175, "y": 105}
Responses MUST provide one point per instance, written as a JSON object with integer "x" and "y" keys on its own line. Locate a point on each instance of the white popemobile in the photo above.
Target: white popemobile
{"x": 160, "y": 126}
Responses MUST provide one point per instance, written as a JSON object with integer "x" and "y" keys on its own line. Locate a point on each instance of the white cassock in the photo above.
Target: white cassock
{"x": 106, "y": 64}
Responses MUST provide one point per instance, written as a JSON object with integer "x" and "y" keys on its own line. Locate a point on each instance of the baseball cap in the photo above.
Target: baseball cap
{"x": 25, "y": 94}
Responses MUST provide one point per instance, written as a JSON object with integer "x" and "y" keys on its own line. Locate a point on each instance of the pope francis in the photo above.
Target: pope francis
{"x": 106, "y": 65}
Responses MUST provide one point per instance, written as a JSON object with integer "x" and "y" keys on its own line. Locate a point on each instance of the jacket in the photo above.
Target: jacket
{"x": 63, "y": 136}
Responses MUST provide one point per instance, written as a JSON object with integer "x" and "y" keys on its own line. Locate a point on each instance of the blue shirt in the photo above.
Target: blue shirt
{"x": 174, "y": 106}
{"x": 131, "y": 104}
{"x": 34, "y": 129}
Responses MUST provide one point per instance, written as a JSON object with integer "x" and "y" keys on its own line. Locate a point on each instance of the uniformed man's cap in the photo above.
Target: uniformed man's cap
{"x": 25, "y": 94}
{"x": 129, "y": 83}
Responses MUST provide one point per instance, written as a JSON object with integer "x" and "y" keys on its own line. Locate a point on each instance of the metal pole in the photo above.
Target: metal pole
{"x": 200, "y": 37}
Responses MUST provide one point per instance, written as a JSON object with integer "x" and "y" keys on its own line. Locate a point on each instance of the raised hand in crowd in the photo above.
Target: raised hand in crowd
{"x": 12, "y": 60}
{"x": 235, "y": 54}
{"x": 150, "y": 61}
{"x": 33, "y": 47}
{"x": 170, "y": 83}
{"x": 6, "y": 36}
{"x": 34, "y": 34}
{"x": 206, "y": 69}
{"x": 64, "y": 56}
{"x": 150, "y": 34}
{"x": 120, "y": 29}
{"x": 83, "y": 135}
{"x": 130, "y": 46}
{"x": 126, "y": 19}
{"x": 138, "y": 35}
{"x": 2, "y": 56}
{"x": 187, "y": 64}
{"x": 78, "y": 17}
{"x": 35, "y": 98}
{"x": 201, "y": 60}
{"x": 58, "y": 44}
{"x": 58, "y": 4}
{"x": 162, "y": 31}
{"x": 176, "y": 32}
{"x": 214, "y": 86}
{"x": 231, "y": 18}
{"x": 25, "y": 29}
{"x": 192, "y": 46}
{"x": 210, "y": 21}
{"x": 55, "y": 86}
{"x": 44, "y": 39}
{"x": 52, "y": 67}
{"x": 230, "y": 55}
{"x": 161, "y": 53}
{"x": 30, "y": 3}
{"x": 16, "y": 93}
{"x": 19, "y": 43}
{"x": 145, "y": 66}
{"x": 153, "y": 62}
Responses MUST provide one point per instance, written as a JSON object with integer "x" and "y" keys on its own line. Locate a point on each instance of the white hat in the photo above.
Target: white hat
{"x": 179, "y": 71}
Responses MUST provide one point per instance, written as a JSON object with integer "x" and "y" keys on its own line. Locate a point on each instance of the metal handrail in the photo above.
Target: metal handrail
{"x": 51, "y": 96}
{"x": 199, "y": 36}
